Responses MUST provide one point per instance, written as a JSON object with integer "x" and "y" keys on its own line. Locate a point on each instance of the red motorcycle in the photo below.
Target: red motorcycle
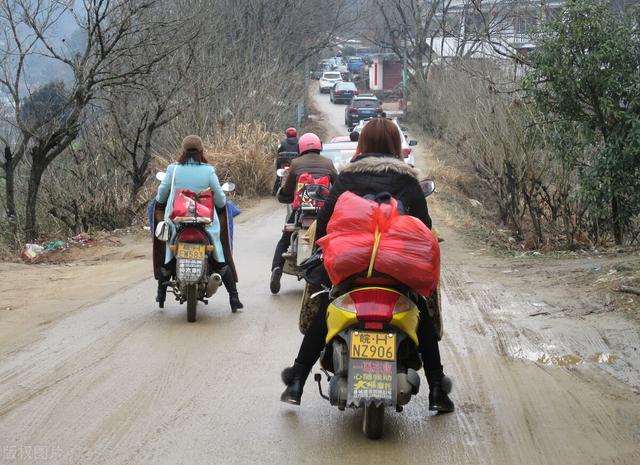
{"x": 193, "y": 279}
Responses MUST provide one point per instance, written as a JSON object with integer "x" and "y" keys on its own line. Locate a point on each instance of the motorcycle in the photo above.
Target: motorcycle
{"x": 302, "y": 232}
{"x": 283, "y": 161}
{"x": 193, "y": 279}
{"x": 371, "y": 358}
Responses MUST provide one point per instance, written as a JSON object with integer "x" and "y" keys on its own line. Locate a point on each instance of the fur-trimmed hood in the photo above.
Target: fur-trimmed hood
{"x": 378, "y": 164}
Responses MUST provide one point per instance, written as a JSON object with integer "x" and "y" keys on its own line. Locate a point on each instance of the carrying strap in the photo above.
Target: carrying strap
{"x": 374, "y": 252}
{"x": 173, "y": 178}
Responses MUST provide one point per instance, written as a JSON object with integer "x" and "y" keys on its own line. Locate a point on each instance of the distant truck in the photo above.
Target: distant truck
{"x": 356, "y": 65}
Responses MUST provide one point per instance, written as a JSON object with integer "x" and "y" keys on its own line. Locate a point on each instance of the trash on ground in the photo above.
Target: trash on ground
{"x": 31, "y": 251}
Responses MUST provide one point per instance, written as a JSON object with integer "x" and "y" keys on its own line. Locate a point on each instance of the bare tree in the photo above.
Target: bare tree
{"x": 109, "y": 57}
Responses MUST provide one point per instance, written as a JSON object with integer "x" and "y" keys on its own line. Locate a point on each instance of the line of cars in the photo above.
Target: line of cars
{"x": 341, "y": 149}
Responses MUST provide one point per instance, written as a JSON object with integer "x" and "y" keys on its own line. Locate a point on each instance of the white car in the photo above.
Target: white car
{"x": 328, "y": 80}
{"x": 407, "y": 144}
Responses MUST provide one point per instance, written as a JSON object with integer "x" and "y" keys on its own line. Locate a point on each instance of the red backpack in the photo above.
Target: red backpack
{"x": 300, "y": 200}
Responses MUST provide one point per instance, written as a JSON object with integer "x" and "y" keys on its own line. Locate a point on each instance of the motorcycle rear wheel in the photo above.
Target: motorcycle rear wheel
{"x": 373, "y": 421}
{"x": 192, "y": 302}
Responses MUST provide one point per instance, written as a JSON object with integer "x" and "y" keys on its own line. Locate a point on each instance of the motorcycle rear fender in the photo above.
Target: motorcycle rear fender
{"x": 339, "y": 319}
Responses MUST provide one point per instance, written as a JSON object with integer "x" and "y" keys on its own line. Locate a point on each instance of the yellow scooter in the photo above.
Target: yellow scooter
{"x": 371, "y": 357}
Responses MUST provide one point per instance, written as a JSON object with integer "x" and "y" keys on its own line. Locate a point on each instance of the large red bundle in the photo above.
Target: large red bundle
{"x": 188, "y": 204}
{"x": 406, "y": 249}
{"x": 301, "y": 199}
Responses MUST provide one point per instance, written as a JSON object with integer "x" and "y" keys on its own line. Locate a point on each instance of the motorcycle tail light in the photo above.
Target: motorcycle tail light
{"x": 346, "y": 303}
{"x": 374, "y": 304}
{"x": 406, "y": 151}
{"x": 192, "y": 235}
{"x": 376, "y": 325}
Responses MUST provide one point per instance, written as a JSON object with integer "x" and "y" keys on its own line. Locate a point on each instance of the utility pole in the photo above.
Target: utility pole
{"x": 404, "y": 76}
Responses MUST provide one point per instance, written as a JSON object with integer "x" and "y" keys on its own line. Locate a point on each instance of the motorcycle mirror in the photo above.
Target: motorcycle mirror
{"x": 281, "y": 173}
{"x": 413, "y": 142}
{"x": 160, "y": 175}
{"x": 318, "y": 192}
{"x": 428, "y": 187}
{"x": 228, "y": 187}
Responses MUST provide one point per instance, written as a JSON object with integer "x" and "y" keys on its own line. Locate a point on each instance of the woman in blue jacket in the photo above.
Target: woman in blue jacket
{"x": 194, "y": 173}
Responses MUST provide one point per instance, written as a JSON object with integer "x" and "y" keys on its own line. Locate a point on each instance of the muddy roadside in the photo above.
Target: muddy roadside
{"x": 36, "y": 295}
{"x": 570, "y": 313}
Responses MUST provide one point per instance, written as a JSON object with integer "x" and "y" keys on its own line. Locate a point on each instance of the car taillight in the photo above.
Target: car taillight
{"x": 406, "y": 151}
{"x": 353, "y": 110}
{"x": 338, "y": 91}
{"x": 379, "y": 109}
{"x": 355, "y": 92}
{"x": 192, "y": 235}
{"x": 374, "y": 304}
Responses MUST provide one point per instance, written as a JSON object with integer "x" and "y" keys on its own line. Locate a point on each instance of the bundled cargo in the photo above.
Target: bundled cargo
{"x": 366, "y": 236}
{"x": 190, "y": 205}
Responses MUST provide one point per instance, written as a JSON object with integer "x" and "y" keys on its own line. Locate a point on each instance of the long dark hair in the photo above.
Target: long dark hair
{"x": 379, "y": 135}
{"x": 194, "y": 156}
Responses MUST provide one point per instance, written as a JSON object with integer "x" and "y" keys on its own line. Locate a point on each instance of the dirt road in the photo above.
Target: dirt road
{"x": 122, "y": 382}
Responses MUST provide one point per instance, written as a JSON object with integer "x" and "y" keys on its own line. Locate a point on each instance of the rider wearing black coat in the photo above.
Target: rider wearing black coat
{"x": 374, "y": 173}
{"x": 290, "y": 144}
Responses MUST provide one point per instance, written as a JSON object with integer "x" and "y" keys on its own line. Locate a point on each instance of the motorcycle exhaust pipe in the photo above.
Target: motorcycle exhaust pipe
{"x": 215, "y": 281}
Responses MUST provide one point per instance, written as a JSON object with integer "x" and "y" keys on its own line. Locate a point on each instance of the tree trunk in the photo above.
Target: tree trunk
{"x": 615, "y": 216}
{"x": 9, "y": 187}
{"x": 31, "y": 223}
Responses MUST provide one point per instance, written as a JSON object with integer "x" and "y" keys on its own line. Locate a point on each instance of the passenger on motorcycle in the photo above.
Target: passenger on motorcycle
{"x": 377, "y": 167}
{"x": 290, "y": 144}
{"x": 310, "y": 161}
{"x": 287, "y": 146}
{"x": 194, "y": 173}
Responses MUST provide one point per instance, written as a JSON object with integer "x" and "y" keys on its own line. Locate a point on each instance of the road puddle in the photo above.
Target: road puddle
{"x": 567, "y": 360}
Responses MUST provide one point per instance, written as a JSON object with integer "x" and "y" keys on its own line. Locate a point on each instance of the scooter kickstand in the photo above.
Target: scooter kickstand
{"x": 318, "y": 379}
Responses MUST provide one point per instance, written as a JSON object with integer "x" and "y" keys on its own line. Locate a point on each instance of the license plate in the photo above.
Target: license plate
{"x": 191, "y": 251}
{"x": 373, "y": 346}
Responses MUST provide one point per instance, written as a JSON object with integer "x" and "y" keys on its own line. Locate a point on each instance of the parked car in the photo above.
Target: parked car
{"x": 343, "y": 92}
{"x": 340, "y": 153}
{"x": 407, "y": 143}
{"x": 362, "y": 107}
{"x": 328, "y": 80}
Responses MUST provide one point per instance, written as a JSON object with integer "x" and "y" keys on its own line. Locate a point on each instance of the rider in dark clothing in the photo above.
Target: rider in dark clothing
{"x": 310, "y": 161}
{"x": 372, "y": 173}
{"x": 288, "y": 146}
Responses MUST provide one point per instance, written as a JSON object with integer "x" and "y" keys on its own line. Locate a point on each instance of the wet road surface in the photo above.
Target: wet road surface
{"x": 123, "y": 382}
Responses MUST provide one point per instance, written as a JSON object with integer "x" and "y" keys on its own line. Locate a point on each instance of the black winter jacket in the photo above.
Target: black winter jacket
{"x": 373, "y": 174}
{"x": 290, "y": 144}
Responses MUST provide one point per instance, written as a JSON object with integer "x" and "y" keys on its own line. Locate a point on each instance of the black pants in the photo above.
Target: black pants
{"x": 282, "y": 246}
{"x": 314, "y": 341}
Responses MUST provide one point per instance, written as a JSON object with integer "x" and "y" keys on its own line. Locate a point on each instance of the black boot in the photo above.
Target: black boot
{"x": 229, "y": 282}
{"x": 294, "y": 377}
{"x": 274, "y": 284}
{"x": 161, "y": 296}
{"x": 439, "y": 390}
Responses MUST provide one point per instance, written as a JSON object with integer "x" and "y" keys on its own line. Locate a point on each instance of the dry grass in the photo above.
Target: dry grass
{"x": 314, "y": 121}
{"x": 245, "y": 157}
